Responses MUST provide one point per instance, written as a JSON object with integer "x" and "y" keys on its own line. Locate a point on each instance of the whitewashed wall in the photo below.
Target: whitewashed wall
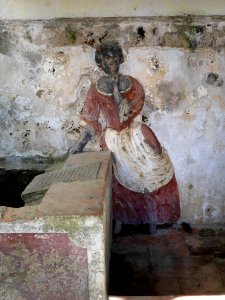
{"x": 48, "y": 9}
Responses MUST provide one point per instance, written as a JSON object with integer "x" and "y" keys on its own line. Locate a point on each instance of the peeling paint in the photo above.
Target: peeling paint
{"x": 178, "y": 60}
{"x": 46, "y": 262}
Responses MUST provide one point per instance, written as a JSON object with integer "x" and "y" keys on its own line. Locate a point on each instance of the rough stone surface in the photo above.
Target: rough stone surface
{"x": 35, "y": 265}
{"x": 41, "y": 183}
{"x": 82, "y": 198}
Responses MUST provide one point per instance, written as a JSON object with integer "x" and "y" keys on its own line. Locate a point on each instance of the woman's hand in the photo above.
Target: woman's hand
{"x": 126, "y": 124}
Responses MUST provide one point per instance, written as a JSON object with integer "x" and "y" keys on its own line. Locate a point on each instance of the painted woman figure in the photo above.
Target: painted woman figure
{"x": 144, "y": 184}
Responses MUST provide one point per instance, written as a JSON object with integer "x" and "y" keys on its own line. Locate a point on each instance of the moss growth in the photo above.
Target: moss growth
{"x": 5, "y": 45}
{"x": 71, "y": 33}
{"x": 70, "y": 224}
{"x": 189, "y": 32}
{"x": 185, "y": 34}
{"x": 81, "y": 233}
{"x": 64, "y": 223}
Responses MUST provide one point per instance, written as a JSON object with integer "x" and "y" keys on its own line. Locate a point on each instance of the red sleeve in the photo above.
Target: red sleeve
{"x": 91, "y": 110}
{"x": 137, "y": 97}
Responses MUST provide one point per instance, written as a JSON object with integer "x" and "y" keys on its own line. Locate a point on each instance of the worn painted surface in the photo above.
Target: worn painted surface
{"x": 158, "y": 207}
{"x": 140, "y": 164}
{"x": 79, "y": 210}
{"x": 44, "y": 266}
{"x": 47, "y": 68}
{"x": 85, "y": 232}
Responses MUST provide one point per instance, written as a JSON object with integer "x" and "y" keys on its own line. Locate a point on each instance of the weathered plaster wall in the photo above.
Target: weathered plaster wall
{"x": 47, "y": 9}
{"x": 47, "y": 67}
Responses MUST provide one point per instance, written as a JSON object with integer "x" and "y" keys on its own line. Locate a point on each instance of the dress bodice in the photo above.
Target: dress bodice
{"x": 100, "y": 98}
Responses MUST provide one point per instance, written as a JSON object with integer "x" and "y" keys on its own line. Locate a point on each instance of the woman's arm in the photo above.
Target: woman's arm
{"x": 89, "y": 121}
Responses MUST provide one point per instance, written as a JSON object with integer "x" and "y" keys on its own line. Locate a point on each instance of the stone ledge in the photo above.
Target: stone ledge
{"x": 84, "y": 198}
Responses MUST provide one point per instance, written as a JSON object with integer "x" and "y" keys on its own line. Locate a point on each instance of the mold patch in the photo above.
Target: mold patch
{"x": 140, "y": 34}
{"x": 171, "y": 95}
{"x": 5, "y": 42}
{"x": 33, "y": 57}
{"x": 214, "y": 80}
{"x": 71, "y": 33}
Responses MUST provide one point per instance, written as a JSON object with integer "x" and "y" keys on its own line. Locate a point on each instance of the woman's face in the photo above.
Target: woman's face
{"x": 110, "y": 64}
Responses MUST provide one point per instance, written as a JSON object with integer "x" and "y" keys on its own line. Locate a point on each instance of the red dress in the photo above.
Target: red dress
{"x": 144, "y": 185}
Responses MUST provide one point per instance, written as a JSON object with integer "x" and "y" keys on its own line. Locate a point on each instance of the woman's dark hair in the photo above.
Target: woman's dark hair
{"x": 108, "y": 49}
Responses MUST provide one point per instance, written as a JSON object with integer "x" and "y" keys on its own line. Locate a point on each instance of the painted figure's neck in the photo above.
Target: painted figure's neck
{"x": 114, "y": 78}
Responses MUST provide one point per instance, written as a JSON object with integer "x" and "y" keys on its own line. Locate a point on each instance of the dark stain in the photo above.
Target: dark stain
{"x": 53, "y": 72}
{"x": 209, "y": 211}
{"x": 186, "y": 227}
{"x": 101, "y": 38}
{"x": 33, "y": 57}
{"x": 77, "y": 130}
{"x": 69, "y": 127}
{"x": 190, "y": 186}
{"x": 39, "y": 93}
{"x": 155, "y": 63}
{"x": 5, "y": 42}
{"x": 214, "y": 80}
{"x": 198, "y": 29}
{"x": 144, "y": 119}
{"x": 28, "y": 36}
{"x": 155, "y": 31}
{"x": 90, "y": 40}
{"x": 171, "y": 95}
{"x": 140, "y": 34}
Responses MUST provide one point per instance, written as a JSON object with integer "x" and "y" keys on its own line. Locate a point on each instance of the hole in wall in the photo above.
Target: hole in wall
{"x": 12, "y": 184}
